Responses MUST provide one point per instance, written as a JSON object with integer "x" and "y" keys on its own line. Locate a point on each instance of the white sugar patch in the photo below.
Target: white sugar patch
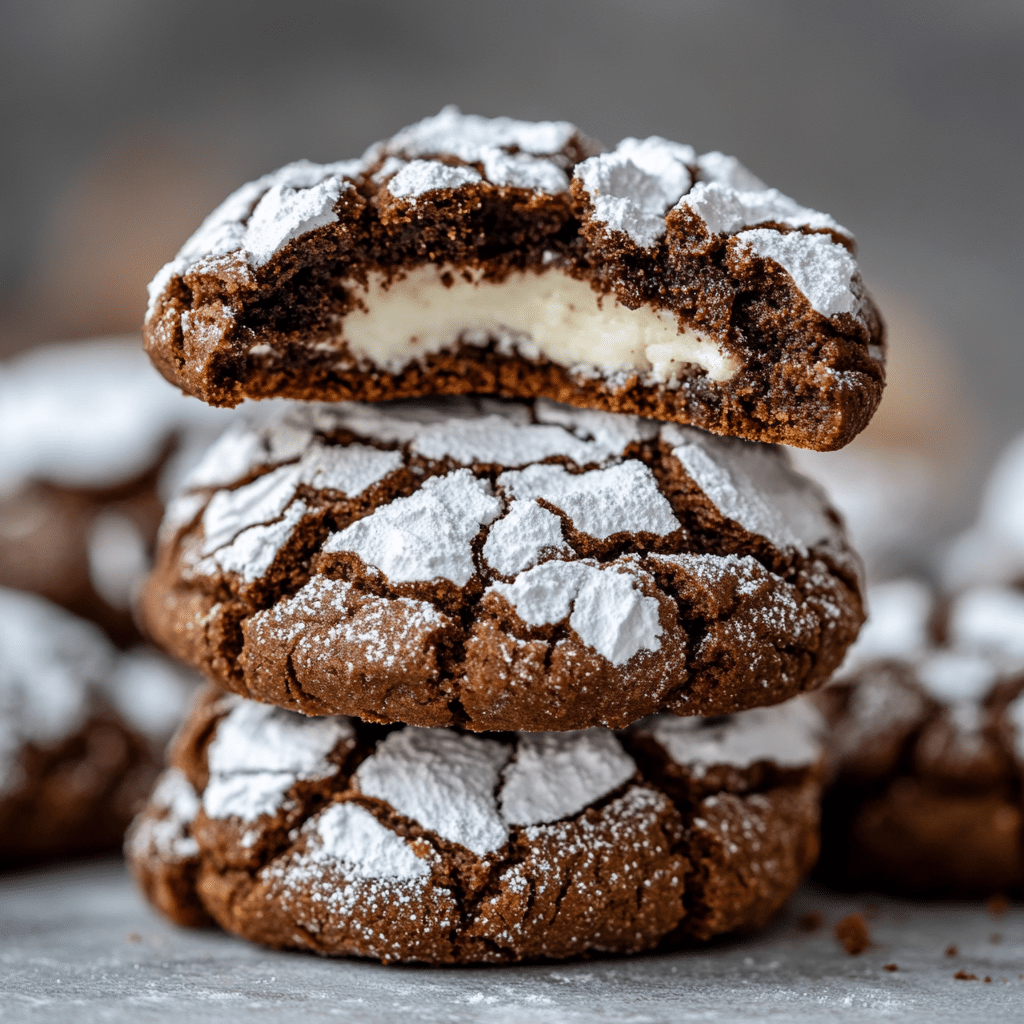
{"x": 260, "y": 751}
{"x": 118, "y": 558}
{"x": 990, "y": 621}
{"x": 422, "y": 176}
{"x": 253, "y": 551}
{"x": 285, "y": 213}
{"x": 556, "y": 775}
{"x": 899, "y": 614}
{"x": 608, "y": 612}
{"x": 519, "y": 540}
{"x": 754, "y": 485}
{"x": 522, "y": 170}
{"x": 51, "y": 663}
{"x": 443, "y": 780}
{"x": 726, "y": 170}
{"x": 621, "y": 499}
{"x": 151, "y": 692}
{"x": 609, "y": 432}
{"x": 726, "y": 210}
{"x": 175, "y": 797}
{"x": 427, "y": 535}
{"x": 349, "y": 836}
{"x": 954, "y": 677}
{"x": 632, "y": 187}
{"x": 788, "y": 735}
{"x": 822, "y": 270}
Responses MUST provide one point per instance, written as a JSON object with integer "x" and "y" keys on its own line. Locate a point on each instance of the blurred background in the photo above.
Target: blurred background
{"x": 124, "y": 123}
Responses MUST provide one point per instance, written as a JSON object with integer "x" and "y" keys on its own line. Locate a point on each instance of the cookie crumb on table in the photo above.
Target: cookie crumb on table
{"x": 852, "y": 934}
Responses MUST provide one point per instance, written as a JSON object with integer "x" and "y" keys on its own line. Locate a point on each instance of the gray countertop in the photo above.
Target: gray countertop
{"x": 79, "y": 945}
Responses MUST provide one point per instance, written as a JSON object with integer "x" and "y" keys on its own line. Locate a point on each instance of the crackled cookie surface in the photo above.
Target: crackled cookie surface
{"x": 927, "y": 744}
{"x": 510, "y": 258}
{"x": 82, "y": 727}
{"x": 335, "y": 836}
{"x": 93, "y": 441}
{"x": 500, "y": 565}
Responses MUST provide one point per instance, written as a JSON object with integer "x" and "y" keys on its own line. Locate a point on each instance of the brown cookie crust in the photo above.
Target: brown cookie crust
{"x": 742, "y": 622}
{"x": 634, "y": 868}
{"x": 225, "y": 327}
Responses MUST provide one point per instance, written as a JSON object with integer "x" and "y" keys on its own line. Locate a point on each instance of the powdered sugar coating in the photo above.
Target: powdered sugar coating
{"x": 252, "y": 552}
{"x": 989, "y": 621}
{"x": 422, "y": 176}
{"x": 177, "y": 802}
{"x": 823, "y": 270}
{"x": 789, "y": 735}
{"x": 446, "y": 781}
{"x": 519, "y": 539}
{"x": 608, "y": 611}
{"x": 899, "y": 616}
{"x": 150, "y": 692}
{"x": 621, "y": 499}
{"x": 956, "y": 676}
{"x": 427, "y": 535}
{"x": 727, "y": 170}
{"x": 632, "y": 187}
{"x": 557, "y": 775}
{"x": 755, "y": 486}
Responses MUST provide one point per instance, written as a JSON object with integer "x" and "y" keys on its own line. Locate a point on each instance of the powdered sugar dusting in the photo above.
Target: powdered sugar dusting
{"x": 427, "y": 535}
{"x": 284, "y": 213}
{"x": 608, "y": 611}
{"x": 444, "y": 780}
{"x": 954, "y": 676}
{"x": 726, "y": 170}
{"x": 788, "y": 735}
{"x": 518, "y": 540}
{"x": 423, "y": 176}
{"x": 253, "y": 551}
{"x": 899, "y": 614}
{"x": 823, "y": 270}
{"x": 602, "y": 502}
{"x": 990, "y": 621}
{"x": 169, "y": 834}
{"x": 556, "y": 775}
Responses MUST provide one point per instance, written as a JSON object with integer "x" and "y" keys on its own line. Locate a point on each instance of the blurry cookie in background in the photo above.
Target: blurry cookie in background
{"x": 82, "y": 730}
{"x": 927, "y": 746}
{"x": 91, "y": 439}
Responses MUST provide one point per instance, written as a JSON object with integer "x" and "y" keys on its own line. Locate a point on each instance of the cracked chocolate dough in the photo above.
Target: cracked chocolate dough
{"x": 493, "y": 256}
{"x": 927, "y": 745}
{"x": 82, "y": 728}
{"x": 331, "y": 835}
{"x": 501, "y": 565}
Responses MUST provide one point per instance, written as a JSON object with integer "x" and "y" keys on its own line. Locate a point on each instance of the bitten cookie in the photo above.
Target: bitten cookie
{"x": 498, "y": 565}
{"x": 82, "y": 728}
{"x": 331, "y": 835}
{"x": 927, "y": 744}
{"x": 93, "y": 441}
{"x": 515, "y": 259}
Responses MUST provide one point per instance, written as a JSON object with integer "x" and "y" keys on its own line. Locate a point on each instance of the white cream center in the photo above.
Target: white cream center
{"x": 545, "y": 313}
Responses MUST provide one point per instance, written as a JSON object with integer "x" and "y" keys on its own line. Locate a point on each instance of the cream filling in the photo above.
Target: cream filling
{"x": 547, "y": 314}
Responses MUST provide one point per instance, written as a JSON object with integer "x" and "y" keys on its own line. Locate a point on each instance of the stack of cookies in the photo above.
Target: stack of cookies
{"x": 507, "y": 616}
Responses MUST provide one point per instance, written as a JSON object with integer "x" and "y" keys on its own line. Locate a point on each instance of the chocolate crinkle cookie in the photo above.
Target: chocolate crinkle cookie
{"x": 82, "y": 729}
{"x": 93, "y": 441}
{"x": 502, "y": 257}
{"x": 496, "y": 565}
{"x": 332, "y": 835}
{"x": 927, "y": 746}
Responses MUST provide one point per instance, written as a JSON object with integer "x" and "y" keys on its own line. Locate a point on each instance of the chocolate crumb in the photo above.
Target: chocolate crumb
{"x": 987, "y": 979}
{"x": 852, "y": 934}
{"x": 995, "y": 937}
{"x": 951, "y": 951}
{"x": 964, "y": 976}
{"x": 997, "y": 905}
{"x": 811, "y": 921}
{"x": 890, "y": 967}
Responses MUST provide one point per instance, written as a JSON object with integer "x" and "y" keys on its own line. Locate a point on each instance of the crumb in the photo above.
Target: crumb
{"x": 811, "y": 921}
{"x": 995, "y": 937}
{"x": 964, "y": 976}
{"x": 987, "y": 979}
{"x": 891, "y": 967}
{"x": 134, "y": 937}
{"x": 852, "y": 934}
{"x": 951, "y": 951}
{"x": 997, "y": 905}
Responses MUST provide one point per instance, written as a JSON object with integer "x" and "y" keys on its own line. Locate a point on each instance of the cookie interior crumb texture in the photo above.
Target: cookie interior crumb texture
{"x": 509, "y": 258}
{"x": 500, "y": 565}
{"x": 344, "y": 838}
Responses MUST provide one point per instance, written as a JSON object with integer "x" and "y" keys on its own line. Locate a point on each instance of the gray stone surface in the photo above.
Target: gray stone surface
{"x": 79, "y": 945}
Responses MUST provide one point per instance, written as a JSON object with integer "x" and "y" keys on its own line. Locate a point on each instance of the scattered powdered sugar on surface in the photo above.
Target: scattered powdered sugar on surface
{"x": 754, "y": 485}
{"x": 953, "y": 676}
{"x": 151, "y": 692}
{"x": 90, "y": 414}
{"x": 444, "y": 780}
{"x": 50, "y": 665}
{"x": 990, "y": 621}
{"x": 556, "y": 775}
{"x": 348, "y": 835}
{"x": 519, "y": 539}
{"x": 608, "y": 611}
{"x": 422, "y": 176}
{"x": 726, "y": 210}
{"x": 788, "y": 734}
{"x": 427, "y": 535}
{"x": 633, "y": 186}
{"x": 727, "y": 170}
{"x": 823, "y": 270}
{"x": 601, "y": 502}
{"x": 259, "y": 751}
{"x": 899, "y": 616}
